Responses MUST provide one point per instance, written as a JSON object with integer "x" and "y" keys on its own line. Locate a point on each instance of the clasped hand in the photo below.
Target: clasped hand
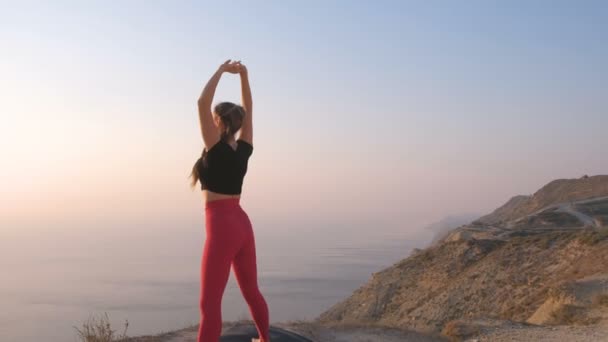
{"x": 234, "y": 67}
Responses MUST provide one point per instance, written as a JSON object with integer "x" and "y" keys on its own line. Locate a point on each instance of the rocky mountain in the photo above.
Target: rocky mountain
{"x": 539, "y": 259}
{"x": 557, "y": 191}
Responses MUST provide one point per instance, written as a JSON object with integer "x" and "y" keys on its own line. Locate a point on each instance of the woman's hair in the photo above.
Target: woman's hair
{"x": 232, "y": 116}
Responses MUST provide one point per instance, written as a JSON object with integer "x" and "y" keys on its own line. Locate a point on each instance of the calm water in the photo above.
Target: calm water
{"x": 53, "y": 280}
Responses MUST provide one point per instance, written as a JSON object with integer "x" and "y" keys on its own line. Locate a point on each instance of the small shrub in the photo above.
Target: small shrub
{"x": 99, "y": 330}
{"x": 601, "y": 300}
{"x": 603, "y": 233}
{"x": 458, "y": 330}
{"x": 546, "y": 243}
{"x": 570, "y": 314}
{"x": 594, "y": 236}
{"x": 564, "y": 315}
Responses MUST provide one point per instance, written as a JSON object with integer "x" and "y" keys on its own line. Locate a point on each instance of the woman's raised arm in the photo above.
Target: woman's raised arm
{"x": 247, "y": 126}
{"x": 205, "y": 115}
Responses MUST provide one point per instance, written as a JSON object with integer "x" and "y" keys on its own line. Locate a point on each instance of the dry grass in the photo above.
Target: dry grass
{"x": 567, "y": 314}
{"x": 592, "y": 237}
{"x": 98, "y": 329}
{"x": 458, "y": 330}
{"x": 601, "y": 300}
{"x": 571, "y": 315}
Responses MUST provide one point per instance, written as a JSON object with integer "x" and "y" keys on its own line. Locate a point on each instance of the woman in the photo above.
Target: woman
{"x": 229, "y": 234}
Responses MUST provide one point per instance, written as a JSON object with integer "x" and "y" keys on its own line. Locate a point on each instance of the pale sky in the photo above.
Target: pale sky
{"x": 394, "y": 112}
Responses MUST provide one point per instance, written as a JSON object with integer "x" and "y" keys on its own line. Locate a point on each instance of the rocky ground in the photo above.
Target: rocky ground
{"x": 313, "y": 331}
{"x": 506, "y": 331}
{"x": 540, "y": 259}
{"x": 490, "y": 331}
{"x": 546, "y": 334}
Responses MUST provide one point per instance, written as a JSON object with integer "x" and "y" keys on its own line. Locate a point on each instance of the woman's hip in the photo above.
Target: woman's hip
{"x": 226, "y": 216}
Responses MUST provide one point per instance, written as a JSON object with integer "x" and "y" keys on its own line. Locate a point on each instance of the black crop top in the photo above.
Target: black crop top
{"x": 222, "y": 168}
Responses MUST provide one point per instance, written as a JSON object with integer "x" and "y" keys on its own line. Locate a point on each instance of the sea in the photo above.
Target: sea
{"x": 55, "y": 279}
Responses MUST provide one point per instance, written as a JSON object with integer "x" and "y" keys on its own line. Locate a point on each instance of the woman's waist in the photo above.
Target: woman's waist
{"x": 227, "y": 202}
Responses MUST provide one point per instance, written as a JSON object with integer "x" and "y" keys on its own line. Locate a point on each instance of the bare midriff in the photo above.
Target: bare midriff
{"x": 209, "y": 195}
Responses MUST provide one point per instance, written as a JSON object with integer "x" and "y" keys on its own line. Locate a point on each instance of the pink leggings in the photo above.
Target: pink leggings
{"x": 229, "y": 241}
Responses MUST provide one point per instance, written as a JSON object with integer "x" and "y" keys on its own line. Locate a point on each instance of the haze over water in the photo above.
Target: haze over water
{"x": 371, "y": 120}
{"x": 56, "y": 282}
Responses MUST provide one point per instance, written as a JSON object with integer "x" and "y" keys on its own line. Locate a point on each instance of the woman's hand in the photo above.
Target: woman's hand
{"x": 231, "y": 67}
{"x": 242, "y": 68}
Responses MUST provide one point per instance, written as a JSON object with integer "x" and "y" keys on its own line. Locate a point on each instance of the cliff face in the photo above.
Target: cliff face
{"x": 518, "y": 263}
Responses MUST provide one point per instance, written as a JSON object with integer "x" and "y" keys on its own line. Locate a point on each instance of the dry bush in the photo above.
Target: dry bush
{"x": 98, "y": 329}
{"x": 570, "y": 314}
{"x": 592, "y": 237}
{"x": 601, "y": 300}
{"x": 458, "y": 330}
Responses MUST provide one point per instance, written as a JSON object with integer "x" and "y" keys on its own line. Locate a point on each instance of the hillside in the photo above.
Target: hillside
{"x": 557, "y": 191}
{"x": 540, "y": 259}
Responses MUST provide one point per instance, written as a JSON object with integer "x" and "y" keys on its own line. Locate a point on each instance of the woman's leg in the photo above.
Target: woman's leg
{"x": 245, "y": 270}
{"x": 215, "y": 270}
